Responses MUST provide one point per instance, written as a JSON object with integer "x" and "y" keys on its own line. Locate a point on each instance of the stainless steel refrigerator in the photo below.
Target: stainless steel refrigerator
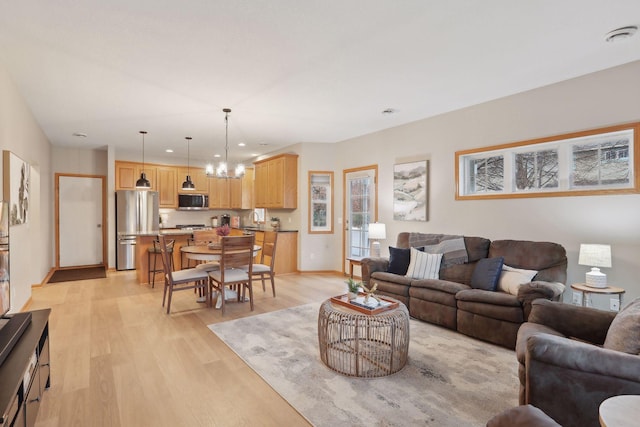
{"x": 137, "y": 213}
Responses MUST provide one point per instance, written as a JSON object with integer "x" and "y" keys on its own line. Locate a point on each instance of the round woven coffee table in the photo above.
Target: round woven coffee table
{"x": 363, "y": 345}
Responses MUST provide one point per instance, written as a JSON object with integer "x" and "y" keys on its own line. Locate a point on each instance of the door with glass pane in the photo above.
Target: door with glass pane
{"x": 360, "y": 209}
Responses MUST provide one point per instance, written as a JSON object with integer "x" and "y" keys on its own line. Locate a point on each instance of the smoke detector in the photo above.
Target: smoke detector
{"x": 620, "y": 33}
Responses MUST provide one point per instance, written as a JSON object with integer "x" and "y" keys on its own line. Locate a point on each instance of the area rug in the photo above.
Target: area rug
{"x": 72, "y": 274}
{"x": 449, "y": 380}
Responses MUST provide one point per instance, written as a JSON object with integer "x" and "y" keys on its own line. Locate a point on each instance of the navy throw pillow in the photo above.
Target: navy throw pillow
{"x": 399, "y": 259}
{"x": 486, "y": 275}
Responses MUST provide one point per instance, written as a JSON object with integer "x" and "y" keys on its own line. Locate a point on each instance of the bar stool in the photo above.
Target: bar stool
{"x": 155, "y": 251}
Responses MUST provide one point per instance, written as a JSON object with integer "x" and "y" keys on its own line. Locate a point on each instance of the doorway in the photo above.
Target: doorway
{"x": 360, "y": 208}
{"x": 80, "y": 220}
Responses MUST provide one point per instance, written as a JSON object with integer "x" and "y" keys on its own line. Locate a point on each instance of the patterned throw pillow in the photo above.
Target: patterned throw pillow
{"x": 424, "y": 265}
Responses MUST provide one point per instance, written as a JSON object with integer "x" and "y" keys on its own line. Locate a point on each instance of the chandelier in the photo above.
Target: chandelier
{"x": 221, "y": 171}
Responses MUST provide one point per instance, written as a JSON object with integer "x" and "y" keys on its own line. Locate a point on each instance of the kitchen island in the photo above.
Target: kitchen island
{"x": 286, "y": 250}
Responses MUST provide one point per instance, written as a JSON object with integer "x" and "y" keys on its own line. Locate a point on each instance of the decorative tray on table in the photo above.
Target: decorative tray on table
{"x": 370, "y": 307}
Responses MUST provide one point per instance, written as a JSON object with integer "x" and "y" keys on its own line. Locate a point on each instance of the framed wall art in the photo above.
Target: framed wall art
{"x": 410, "y": 192}
{"x": 16, "y": 182}
{"x": 320, "y": 202}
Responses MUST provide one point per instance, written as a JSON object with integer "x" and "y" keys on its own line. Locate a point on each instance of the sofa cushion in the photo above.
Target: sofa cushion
{"x": 486, "y": 274}
{"x": 399, "y": 259}
{"x": 624, "y": 332}
{"x": 423, "y": 265}
{"x": 453, "y": 251}
{"x": 511, "y": 278}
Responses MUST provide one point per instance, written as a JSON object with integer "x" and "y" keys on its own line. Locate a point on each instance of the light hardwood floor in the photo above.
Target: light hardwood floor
{"x": 117, "y": 358}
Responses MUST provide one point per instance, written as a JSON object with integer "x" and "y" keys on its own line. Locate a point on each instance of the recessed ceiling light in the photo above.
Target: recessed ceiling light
{"x": 388, "y": 111}
{"x": 80, "y": 134}
{"x": 621, "y": 33}
{"x": 241, "y": 144}
{"x": 169, "y": 150}
{"x": 254, "y": 154}
{"x": 216, "y": 155}
{"x": 263, "y": 144}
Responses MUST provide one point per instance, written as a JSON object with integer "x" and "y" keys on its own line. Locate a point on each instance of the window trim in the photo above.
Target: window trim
{"x": 510, "y": 148}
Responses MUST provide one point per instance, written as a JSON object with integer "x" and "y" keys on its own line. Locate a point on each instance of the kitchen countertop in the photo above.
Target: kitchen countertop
{"x": 281, "y": 230}
{"x": 181, "y": 231}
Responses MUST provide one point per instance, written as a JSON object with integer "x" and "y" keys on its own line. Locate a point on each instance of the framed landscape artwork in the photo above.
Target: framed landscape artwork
{"x": 16, "y": 182}
{"x": 410, "y": 191}
{"x": 320, "y": 202}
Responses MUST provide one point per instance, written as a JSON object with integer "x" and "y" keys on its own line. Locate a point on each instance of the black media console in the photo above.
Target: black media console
{"x": 25, "y": 373}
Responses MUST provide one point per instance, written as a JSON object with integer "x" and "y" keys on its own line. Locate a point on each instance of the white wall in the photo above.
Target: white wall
{"x": 30, "y": 244}
{"x": 600, "y": 99}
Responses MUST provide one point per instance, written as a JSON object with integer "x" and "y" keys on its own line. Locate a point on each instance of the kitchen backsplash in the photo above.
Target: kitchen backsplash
{"x": 171, "y": 217}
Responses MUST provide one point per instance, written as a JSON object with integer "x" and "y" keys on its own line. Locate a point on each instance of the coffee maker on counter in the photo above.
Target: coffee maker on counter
{"x": 225, "y": 219}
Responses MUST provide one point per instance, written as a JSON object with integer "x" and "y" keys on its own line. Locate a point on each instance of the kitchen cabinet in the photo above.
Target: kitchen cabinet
{"x": 127, "y": 173}
{"x": 198, "y": 177}
{"x": 166, "y": 186}
{"x": 286, "y": 250}
{"x": 276, "y": 182}
{"x": 167, "y": 180}
{"x": 219, "y": 193}
{"x": 247, "y": 190}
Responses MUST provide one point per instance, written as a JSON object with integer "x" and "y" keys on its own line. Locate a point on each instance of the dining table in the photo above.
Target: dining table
{"x": 209, "y": 253}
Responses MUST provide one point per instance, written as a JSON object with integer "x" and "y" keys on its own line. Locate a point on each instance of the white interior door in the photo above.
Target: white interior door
{"x": 360, "y": 210}
{"x": 80, "y": 221}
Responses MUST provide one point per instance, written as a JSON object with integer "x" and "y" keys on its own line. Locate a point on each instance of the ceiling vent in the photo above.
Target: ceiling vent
{"x": 620, "y": 33}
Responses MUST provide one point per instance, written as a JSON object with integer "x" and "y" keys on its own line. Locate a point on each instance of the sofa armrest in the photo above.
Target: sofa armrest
{"x": 569, "y": 379}
{"x": 529, "y": 292}
{"x": 371, "y": 265}
{"x": 583, "y": 323}
{"x": 582, "y": 357}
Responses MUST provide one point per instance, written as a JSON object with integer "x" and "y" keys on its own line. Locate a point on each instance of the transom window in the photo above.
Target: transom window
{"x": 590, "y": 162}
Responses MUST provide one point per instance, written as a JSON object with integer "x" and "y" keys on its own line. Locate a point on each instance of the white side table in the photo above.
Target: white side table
{"x": 620, "y": 411}
{"x": 587, "y": 290}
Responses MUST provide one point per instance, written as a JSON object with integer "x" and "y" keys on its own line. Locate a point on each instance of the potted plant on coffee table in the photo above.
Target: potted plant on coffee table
{"x": 353, "y": 288}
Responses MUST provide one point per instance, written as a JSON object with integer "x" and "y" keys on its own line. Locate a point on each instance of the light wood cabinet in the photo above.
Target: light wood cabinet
{"x": 167, "y": 177}
{"x": 286, "y": 252}
{"x": 127, "y": 173}
{"x": 247, "y": 190}
{"x": 219, "y": 197}
{"x": 276, "y": 182}
{"x": 198, "y": 177}
{"x": 167, "y": 180}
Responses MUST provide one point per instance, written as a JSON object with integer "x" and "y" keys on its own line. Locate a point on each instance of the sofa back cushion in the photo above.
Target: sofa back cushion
{"x": 477, "y": 248}
{"x": 624, "y": 332}
{"x": 549, "y": 259}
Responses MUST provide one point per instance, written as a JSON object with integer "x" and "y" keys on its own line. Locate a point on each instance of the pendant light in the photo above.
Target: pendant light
{"x": 188, "y": 184}
{"x": 222, "y": 171}
{"x": 143, "y": 183}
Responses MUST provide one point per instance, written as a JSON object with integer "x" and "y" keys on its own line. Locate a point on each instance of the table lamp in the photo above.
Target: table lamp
{"x": 377, "y": 231}
{"x": 595, "y": 256}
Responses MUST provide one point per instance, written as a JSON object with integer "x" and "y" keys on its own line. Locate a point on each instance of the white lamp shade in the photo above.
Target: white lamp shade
{"x": 595, "y": 255}
{"x": 377, "y": 231}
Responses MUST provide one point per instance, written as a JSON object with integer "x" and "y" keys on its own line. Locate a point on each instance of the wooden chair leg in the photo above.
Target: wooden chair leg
{"x": 273, "y": 285}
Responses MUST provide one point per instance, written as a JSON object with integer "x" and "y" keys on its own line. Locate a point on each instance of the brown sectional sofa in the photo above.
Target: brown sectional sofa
{"x": 450, "y": 301}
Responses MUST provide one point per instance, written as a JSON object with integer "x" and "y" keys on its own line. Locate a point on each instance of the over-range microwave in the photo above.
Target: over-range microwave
{"x": 189, "y": 202}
